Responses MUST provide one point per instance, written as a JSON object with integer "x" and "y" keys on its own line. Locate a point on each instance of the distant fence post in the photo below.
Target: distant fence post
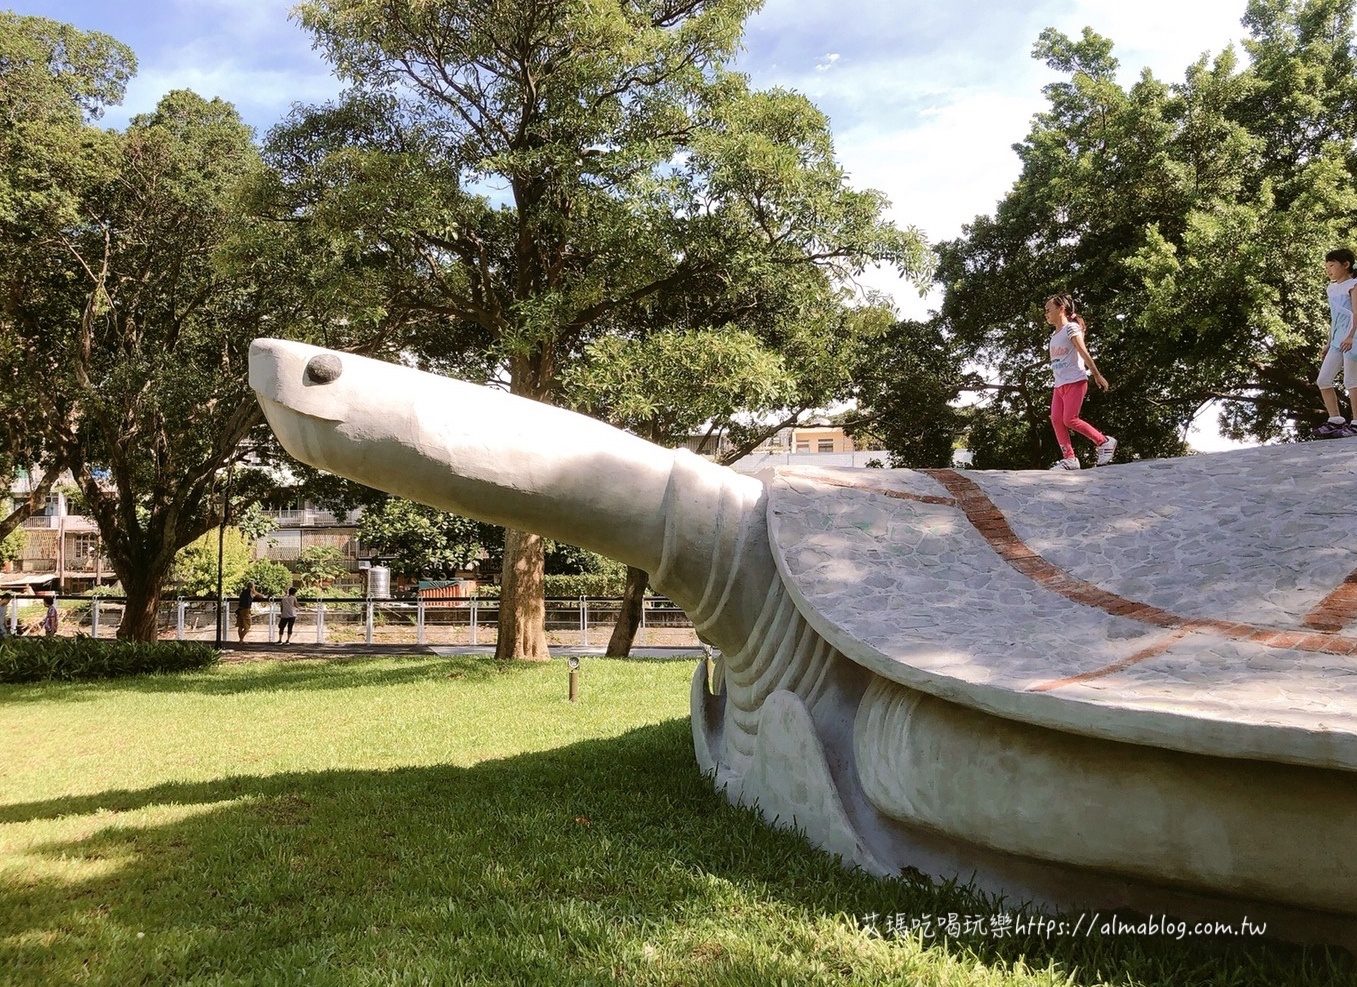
{"x": 474, "y": 602}
{"x": 419, "y": 620}
{"x": 584, "y": 619}
{"x": 320, "y": 621}
{"x": 179, "y": 619}
{"x": 94, "y": 617}
{"x": 368, "y": 622}
{"x": 273, "y": 621}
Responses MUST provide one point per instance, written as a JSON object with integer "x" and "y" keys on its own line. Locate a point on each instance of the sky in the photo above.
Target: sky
{"x": 925, "y": 98}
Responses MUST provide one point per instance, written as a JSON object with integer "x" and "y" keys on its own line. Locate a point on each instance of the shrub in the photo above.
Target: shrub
{"x": 586, "y": 584}
{"x": 320, "y": 565}
{"x": 569, "y": 587}
{"x": 269, "y": 577}
{"x": 195, "y": 566}
{"x": 67, "y": 659}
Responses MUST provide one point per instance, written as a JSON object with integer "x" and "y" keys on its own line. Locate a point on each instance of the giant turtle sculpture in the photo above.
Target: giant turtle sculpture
{"x": 1123, "y": 688}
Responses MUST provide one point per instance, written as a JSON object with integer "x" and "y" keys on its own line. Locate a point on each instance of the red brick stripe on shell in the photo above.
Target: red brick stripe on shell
{"x": 987, "y": 519}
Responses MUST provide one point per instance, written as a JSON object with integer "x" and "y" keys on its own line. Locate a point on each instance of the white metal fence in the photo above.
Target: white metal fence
{"x": 584, "y": 621}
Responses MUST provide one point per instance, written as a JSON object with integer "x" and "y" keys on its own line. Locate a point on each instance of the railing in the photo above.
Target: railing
{"x": 584, "y": 621}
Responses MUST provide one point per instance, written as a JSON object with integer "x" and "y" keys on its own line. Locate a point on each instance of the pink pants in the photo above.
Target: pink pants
{"x": 1066, "y": 400}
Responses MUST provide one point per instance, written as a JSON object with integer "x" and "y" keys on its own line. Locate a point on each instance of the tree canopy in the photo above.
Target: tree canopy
{"x": 54, "y": 80}
{"x": 1190, "y": 222}
{"x": 128, "y": 341}
{"x": 549, "y": 175}
{"x": 417, "y": 540}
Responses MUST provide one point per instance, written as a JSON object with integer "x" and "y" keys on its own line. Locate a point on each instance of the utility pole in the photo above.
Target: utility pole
{"x": 221, "y": 542}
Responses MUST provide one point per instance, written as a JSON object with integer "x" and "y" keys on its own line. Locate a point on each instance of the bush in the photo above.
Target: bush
{"x": 195, "y": 566}
{"x": 269, "y": 577}
{"x": 68, "y": 659}
{"x": 586, "y": 584}
{"x": 571, "y": 587}
{"x": 336, "y": 592}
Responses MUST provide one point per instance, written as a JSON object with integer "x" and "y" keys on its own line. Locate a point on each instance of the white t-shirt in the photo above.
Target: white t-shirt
{"x": 1066, "y": 364}
{"x": 287, "y": 606}
{"x": 1340, "y": 310}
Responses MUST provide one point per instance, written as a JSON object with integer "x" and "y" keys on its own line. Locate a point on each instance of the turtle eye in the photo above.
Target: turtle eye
{"x": 323, "y": 369}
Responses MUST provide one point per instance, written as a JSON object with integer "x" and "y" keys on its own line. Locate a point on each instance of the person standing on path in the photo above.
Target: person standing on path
{"x": 1340, "y": 352}
{"x": 1071, "y": 363}
{"x": 287, "y": 615}
{"x": 51, "y": 620}
{"x": 248, "y": 595}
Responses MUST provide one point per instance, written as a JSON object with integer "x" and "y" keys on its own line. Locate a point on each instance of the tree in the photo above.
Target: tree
{"x": 1096, "y": 173}
{"x": 255, "y": 522}
{"x": 666, "y": 385}
{"x": 269, "y": 577}
{"x": 195, "y": 565}
{"x": 1251, "y": 250}
{"x": 12, "y": 546}
{"x": 631, "y": 172}
{"x": 1188, "y": 219}
{"x": 319, "y": 566}
{"x": 53, "y": 80}
{"x": 129, "y": 339}
{"x": 906, "y": 393}
{"x": 416, "y": 540}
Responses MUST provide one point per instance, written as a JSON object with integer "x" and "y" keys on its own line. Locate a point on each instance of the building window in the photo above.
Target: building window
{"x": 803, "y": 446}
{"x": 826, "y": 445}
{"x": 82, "y": 549}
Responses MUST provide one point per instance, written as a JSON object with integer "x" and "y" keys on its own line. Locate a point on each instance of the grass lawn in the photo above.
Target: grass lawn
{"x": 451, "y": 821}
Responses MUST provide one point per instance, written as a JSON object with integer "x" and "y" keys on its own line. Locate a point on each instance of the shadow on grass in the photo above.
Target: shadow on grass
{"x": 603, "y": 862}
{"x": 305, "y": 675}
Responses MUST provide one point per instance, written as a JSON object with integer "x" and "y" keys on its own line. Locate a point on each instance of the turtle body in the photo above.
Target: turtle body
{"x": 1116, "y": 688}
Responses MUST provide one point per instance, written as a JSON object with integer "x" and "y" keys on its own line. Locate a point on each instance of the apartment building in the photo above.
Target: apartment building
{"x": 62, "y": 550}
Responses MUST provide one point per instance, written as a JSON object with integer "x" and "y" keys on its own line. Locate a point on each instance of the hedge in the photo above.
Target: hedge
{"x": 568, "y": 587}
{"x": 68, "y": 659}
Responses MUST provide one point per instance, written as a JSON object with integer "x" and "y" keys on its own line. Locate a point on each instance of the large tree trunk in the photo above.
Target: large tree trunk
{"x": 522, "y": 610}
{"x": 633, "y": 599}
{"x": 143, "y": 605}
{"x": 522, "y": 598}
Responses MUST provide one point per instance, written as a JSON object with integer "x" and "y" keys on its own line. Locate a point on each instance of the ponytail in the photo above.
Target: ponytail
{"x": 1066, "y": 303}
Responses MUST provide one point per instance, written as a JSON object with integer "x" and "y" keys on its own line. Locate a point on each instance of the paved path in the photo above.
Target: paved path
{"x": 262, "y": 651}
{"x": 1202, "y": 603}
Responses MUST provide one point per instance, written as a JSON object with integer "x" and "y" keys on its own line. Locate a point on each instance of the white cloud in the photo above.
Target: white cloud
{"x": 262, "y": 96}
{"x": 927, "y": 100}
{"x": 1164, "y": 35}
{"x": 248, "y": 52}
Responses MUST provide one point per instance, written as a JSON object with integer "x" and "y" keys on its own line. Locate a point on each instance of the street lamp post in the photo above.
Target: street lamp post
{"x": 221, "y": 542}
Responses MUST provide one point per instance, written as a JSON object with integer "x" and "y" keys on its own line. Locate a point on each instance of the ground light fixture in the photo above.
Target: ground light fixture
{"x": 573, "y": 663}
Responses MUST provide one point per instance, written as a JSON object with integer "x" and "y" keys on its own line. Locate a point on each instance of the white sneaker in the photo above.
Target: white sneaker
{"x": 1106, "y": 451}
{"x": 1068, "y": 463}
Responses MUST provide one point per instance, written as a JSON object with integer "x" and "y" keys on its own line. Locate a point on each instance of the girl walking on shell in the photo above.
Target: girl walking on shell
{"x": 1071, "y": 363}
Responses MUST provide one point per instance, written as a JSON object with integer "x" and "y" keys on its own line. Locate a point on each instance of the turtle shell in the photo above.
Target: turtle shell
{"x": 1205, "y": 604}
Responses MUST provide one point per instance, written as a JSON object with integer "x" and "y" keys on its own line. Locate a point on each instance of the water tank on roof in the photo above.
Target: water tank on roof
{"x": 379, "y": 583}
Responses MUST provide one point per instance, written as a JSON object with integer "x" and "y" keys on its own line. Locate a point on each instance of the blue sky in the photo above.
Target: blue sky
{"x": 925, "y": 98}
